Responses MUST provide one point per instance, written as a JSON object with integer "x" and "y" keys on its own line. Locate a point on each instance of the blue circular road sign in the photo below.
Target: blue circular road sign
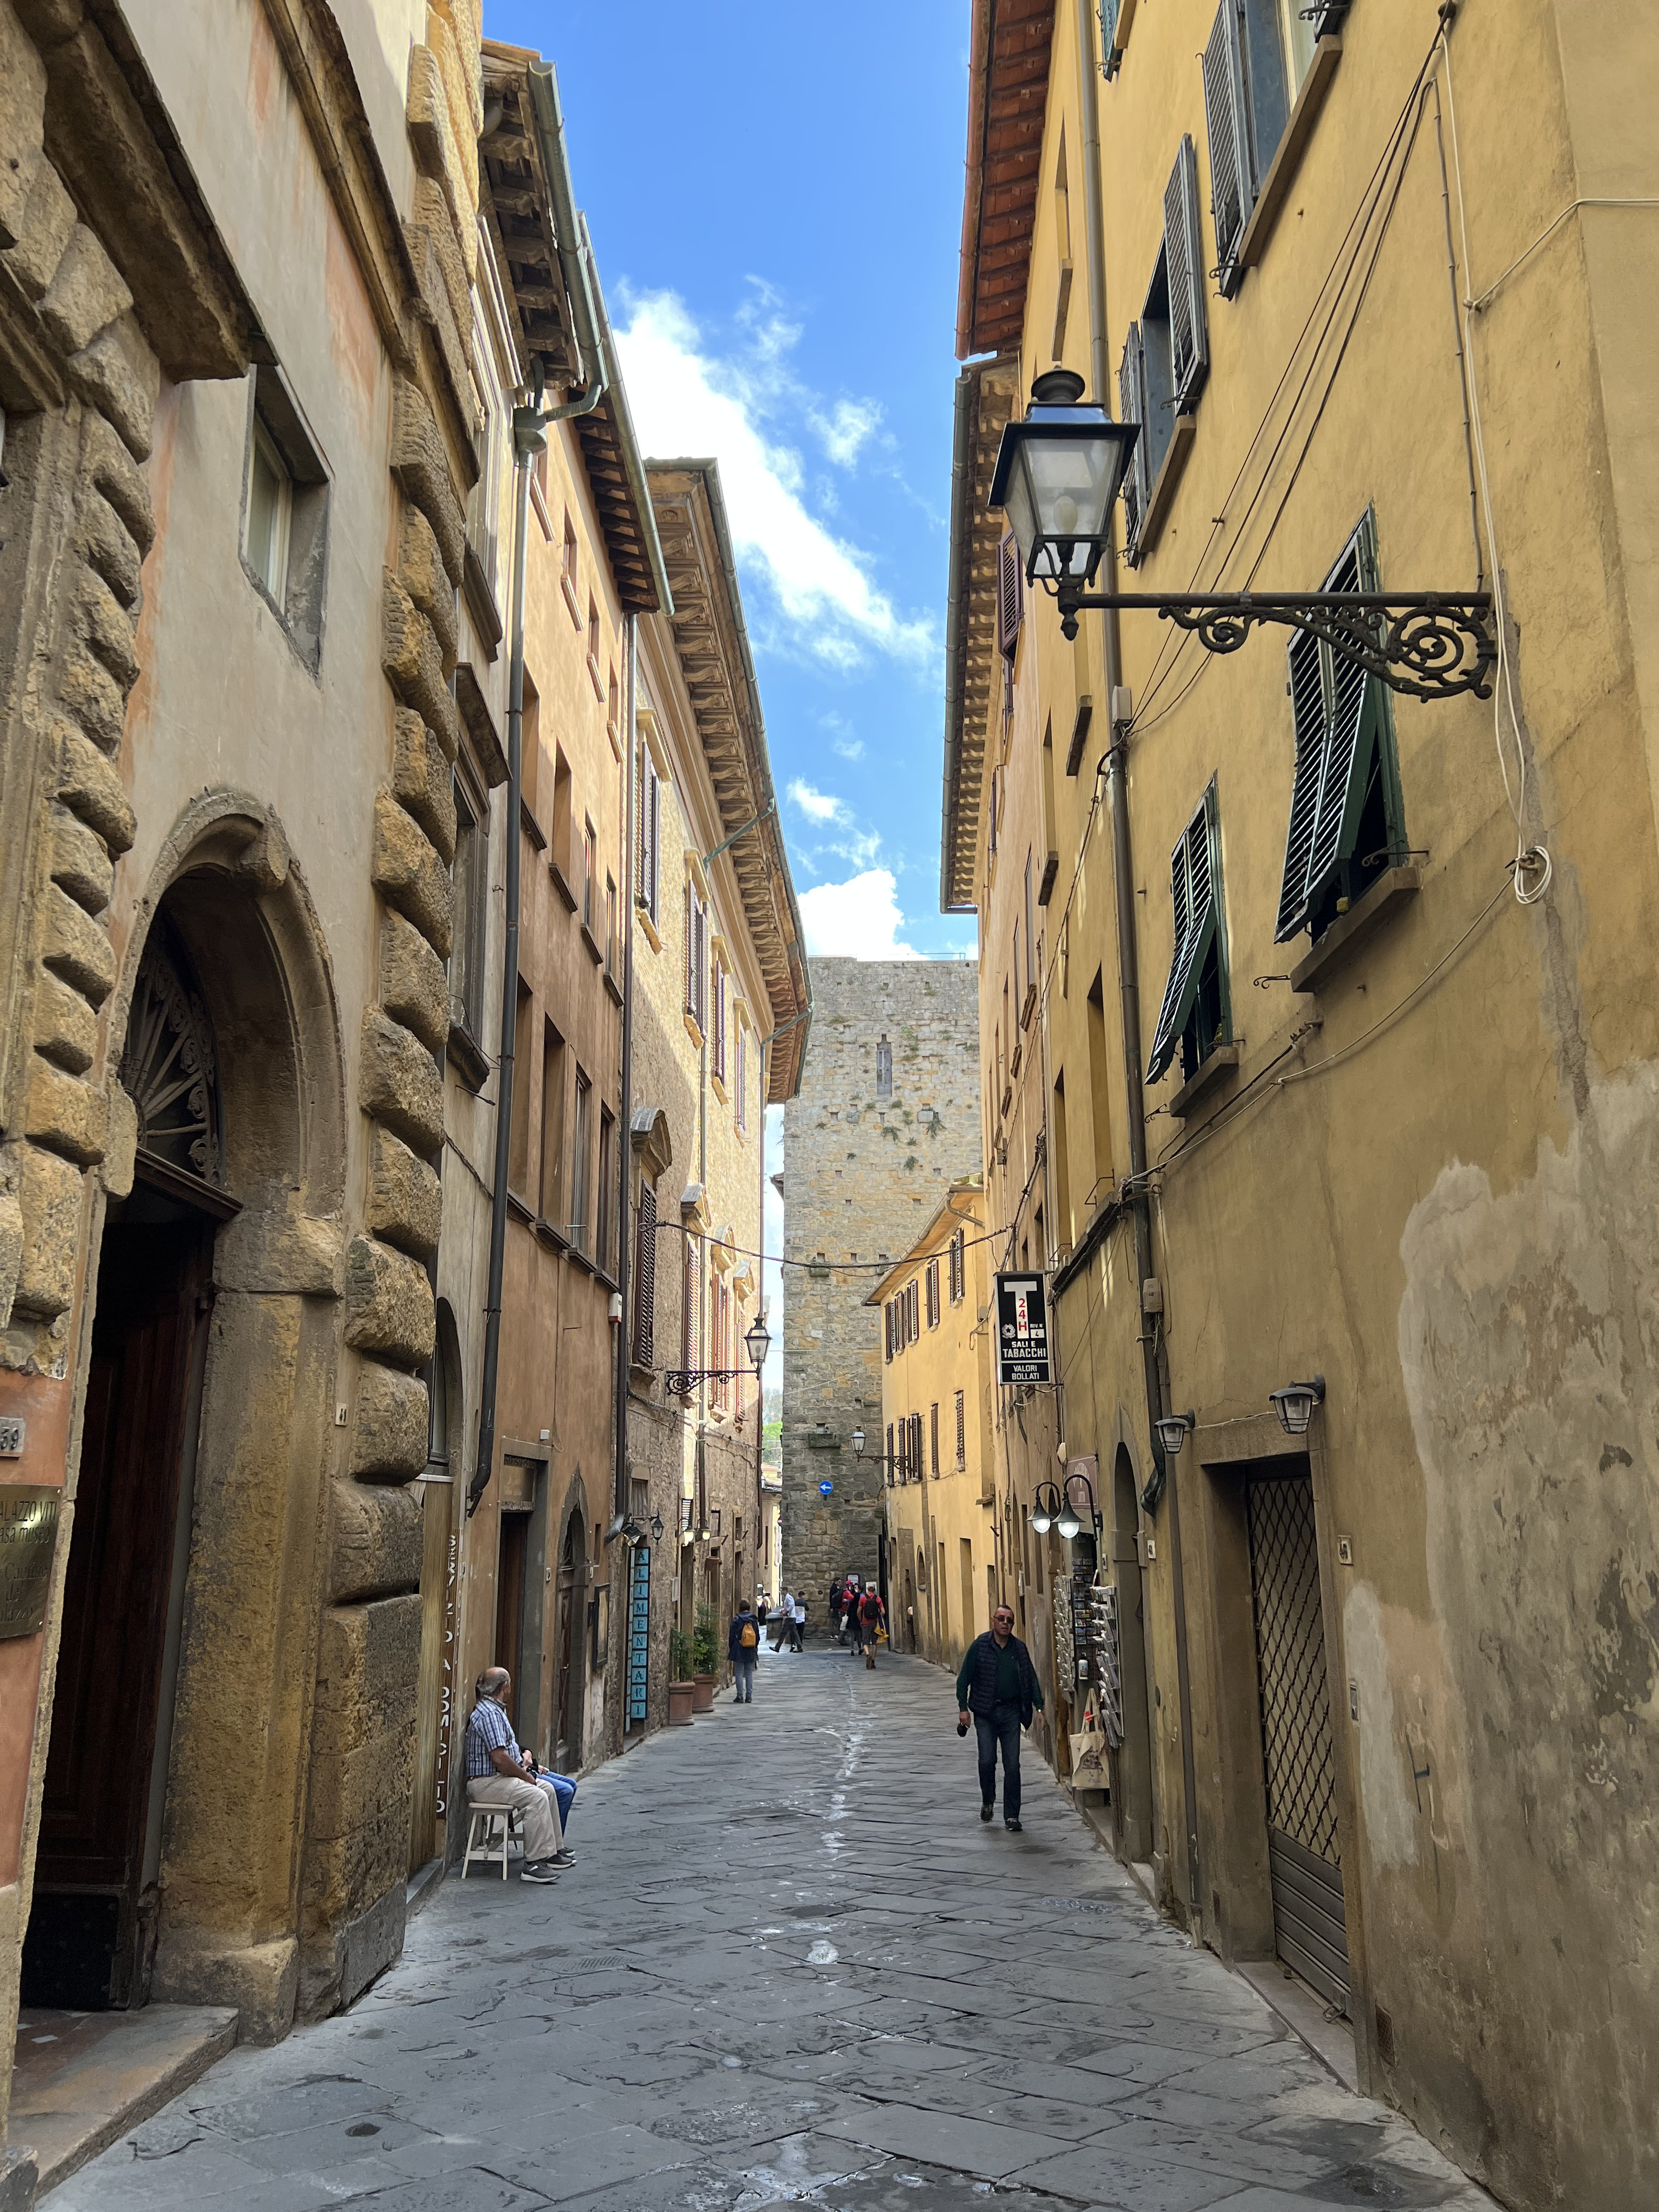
{"x": 824, "y": 1489}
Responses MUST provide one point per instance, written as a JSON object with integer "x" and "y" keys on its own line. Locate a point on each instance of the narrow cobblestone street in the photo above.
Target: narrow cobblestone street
{"x": 790, "y": 1967}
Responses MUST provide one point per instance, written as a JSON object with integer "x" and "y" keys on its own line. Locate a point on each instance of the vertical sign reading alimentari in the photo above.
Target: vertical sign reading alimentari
{"x": 1023, "y": 1329}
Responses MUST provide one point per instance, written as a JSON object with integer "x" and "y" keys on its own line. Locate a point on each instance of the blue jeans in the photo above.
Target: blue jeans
{"x": 563, "y": 1789}
{"x": 744, "y": 1671}
{"x": 1000, "y": 1728}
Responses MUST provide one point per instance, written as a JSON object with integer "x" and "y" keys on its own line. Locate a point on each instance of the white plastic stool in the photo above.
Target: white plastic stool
{"x": 495, "y": 1819}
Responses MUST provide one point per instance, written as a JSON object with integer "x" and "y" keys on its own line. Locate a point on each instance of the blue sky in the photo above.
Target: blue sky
{"x": 774, "y": 198}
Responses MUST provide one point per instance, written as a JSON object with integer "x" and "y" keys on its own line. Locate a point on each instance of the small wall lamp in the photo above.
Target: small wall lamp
{"x": 1172, "y": 1431}
{"x": 1045, "y": 1507}
{"x": 1294, "y": 1404}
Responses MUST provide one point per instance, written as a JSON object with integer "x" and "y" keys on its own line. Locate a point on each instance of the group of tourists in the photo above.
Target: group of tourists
{"x": 860, "y": 1615}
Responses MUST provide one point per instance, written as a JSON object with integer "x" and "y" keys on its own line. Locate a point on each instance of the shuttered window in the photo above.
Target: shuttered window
{"x": 648, "y": 844}
{"x": 1195, "y": 965}
{"x": 690, "y": 1316}
{"x": 1183, "y": 258}
{"x": 1347, "y": 814}
{"x": 962, "y": 1429}
{"x": 1011, "y": 594}
{"x": 932, "y": 1440}
{"x": 1246, "y": 107}
{"x": 645, "y": 1279}
{"x": 1131, "y": 406}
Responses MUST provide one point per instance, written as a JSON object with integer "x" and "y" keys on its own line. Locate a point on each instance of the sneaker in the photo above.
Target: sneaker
{"x": 1013, "y": 1828}
{"x": 986, "y": 1811}
{"x": 564, "y": 1856}
{"x": 540, "y": 1870}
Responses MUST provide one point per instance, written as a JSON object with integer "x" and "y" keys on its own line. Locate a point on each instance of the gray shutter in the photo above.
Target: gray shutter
{"x": 1010, "y": 593}
{"x": 645, "y": 1280}
{"x": 1192, "y": 895}
{"x": 655, "y": 881}
{"x": 1183, "y": 255}
{"x": 1231, "y": 190}
{"x": 1308, "y": 719}
{"x": 1132, "y": 403}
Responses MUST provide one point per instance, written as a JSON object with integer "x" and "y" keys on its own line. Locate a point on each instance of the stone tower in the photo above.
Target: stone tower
{"x": 888, "y": 1112}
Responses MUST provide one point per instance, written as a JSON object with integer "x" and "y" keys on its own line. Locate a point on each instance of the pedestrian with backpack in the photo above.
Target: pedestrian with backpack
{"x": 741, "y": 1646}
{"x": 872, "y": 1616}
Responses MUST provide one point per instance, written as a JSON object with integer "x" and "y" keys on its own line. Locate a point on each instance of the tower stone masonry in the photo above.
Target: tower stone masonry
{"x": 888, "y": 1113}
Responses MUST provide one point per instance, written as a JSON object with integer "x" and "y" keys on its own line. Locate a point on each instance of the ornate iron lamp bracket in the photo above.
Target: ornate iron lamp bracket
{"x": 1432, "y": 645}
{"x": 682, "y": 1382}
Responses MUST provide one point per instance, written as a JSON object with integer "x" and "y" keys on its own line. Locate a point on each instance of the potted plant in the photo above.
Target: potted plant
{"x": 705, "y": 1659}
{"x": 682, "y": 1690}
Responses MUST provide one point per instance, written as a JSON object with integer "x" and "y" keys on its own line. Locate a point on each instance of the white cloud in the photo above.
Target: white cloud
{"x": 686, "y": 402}
{"x": 848, "y": 426}
{"x": 817, "y": 806}
{"x": 858, "y": 919}
{"x": 848, "y": 748}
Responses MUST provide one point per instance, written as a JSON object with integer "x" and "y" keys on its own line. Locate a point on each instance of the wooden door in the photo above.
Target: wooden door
{"x": 509, "y": 1600}
{"x": 91, "y": 1928}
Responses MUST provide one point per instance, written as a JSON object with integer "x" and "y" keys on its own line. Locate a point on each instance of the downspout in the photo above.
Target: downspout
{"x": 625, "y": 1102}
{"x": 760, "y": 1308}
{"x": 1127, "y": 963}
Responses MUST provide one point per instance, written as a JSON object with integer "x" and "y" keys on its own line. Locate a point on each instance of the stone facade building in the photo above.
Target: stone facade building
{"x": 887, "y": 1116}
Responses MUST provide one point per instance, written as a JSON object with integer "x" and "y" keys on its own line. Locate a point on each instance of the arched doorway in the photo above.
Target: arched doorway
{"x": 570, "y": 1641}
{"x": 1133, "y": 1797}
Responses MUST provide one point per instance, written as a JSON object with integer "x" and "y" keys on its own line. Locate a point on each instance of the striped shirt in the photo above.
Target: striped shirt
{"x": 489, "y": 1729}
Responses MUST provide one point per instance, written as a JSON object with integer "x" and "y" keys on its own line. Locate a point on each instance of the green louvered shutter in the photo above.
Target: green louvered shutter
{"x": 1227, "y": 115}
{"x": 1183, "y": 261}
{"x": 1132, "y": 404}
{"x": 1193, "y": 897}
{"x": 1307, "y": 688}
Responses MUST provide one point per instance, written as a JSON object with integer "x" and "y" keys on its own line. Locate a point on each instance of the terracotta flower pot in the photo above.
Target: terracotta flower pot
{"x": 681, "y": 1698}
{"x": 702, "y": 1686}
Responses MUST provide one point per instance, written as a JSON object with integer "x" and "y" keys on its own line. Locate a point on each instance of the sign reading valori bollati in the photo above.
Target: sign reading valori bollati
{"x": 29, "y": 1530}
{"x": 1023, "y": 1329}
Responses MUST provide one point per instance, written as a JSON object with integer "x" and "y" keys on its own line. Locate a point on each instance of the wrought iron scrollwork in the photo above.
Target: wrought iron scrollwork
{"x": 169, "y": 1067}
{"x": 682, "y": 1382}
{"x": 1431, "y": 645}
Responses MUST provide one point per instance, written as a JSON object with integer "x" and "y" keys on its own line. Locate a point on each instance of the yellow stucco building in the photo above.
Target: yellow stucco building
{"x": 1318, "y": 1027}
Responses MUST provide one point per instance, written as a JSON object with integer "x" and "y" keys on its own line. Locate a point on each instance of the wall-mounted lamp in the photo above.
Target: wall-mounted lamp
{"x": 1172, "y": 1431}
{"x": 1294, "y": 1404}
{"x": 1045, "y": 1507}
{"x": 656, "y": 1528}
{"x": 1069, "y": 1521}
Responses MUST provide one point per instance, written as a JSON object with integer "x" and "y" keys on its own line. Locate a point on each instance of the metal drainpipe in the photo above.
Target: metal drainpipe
{"x": 760, "y": 1308}
{"x": 625, "y": 1102}
{"x": 1128, "y": 969}
{"x": 529, "y": 426}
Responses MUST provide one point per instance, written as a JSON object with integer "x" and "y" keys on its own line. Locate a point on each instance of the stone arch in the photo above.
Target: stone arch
{"x": 570, "y": 1623}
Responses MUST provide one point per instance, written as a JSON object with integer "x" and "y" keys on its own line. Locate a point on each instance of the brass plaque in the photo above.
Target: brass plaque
{"x": 28, "y": 1532}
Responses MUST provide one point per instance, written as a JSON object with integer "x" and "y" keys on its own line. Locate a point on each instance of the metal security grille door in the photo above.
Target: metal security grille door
{"x": 1310, "y": 1929}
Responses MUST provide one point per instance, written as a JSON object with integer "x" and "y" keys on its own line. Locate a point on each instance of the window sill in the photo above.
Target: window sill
{"x": 1350, "y": 931}
{"x": 1085, "y": 714}
{"x": 615, "y": 736}
{"x": 578, "y": 1258}
{"x": 520, "y": 1211}
{"x": 1029, "y": 1007}
{"x": 481, "y": 604}
{"x": 717, "y": 1084}
{"x": 693, "y": 1031}
{"x": 642, "y": 914}
{"x": 613, "y": 987}
{"x": 555, "y": 1239}
{"x": 595, "y": 950}
{"x": 1163, "y": 491}
{"x": 561, "y": 885}
{"x": 1281, "y": 170}
{"x": 569, "y": 591}
{"x": 537, "y": 500}
{"x": 1050, "y": 870}
{"x": 595, "y": 678}
{"x": 467, "y": 1058}
{"x": 1222, "y": 1062}
{"x": 1014, "y": 1062}
{"x": 1121, "y": 29}
{"x": 531, "y": 828}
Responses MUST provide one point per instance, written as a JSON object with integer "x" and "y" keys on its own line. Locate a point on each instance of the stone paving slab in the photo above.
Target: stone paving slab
{"x": 791, "y": 1966}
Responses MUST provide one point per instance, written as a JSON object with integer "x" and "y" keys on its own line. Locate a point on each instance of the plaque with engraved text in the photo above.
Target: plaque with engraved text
{"x": 28, "y": 1532}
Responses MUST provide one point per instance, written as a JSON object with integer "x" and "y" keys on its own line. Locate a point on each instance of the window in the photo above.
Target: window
{"x": 650, "y": 834}
{"x": 529, "y": 749}
{"x": 1011, "y": 607}
{"x": 1196, "y": 1013}
{"x": 484, "y": 500}
{"x": 568, "y": 570}
{"x": 884, "y": 1068}
{"x": 1257, "y": 55}
{"x": 961, "y": 1430}
{"x": 285, "y": 513}
{"x": 1100, "y": 1106}
{"x": 720, "y": 1022}
{"x": 914, "y": 1295}
{"x": 1347, "y": 812}
{"x": 590, "y": 875}
{"x": 933, "y": 1441}
{"x": 561, "y": 854}
{"x": 517, "y": 1148}
{"x": 996, "y": 792}
{"x": 916, "y": 1467}
{"x": 645, "y": 1278}
{"x": 933, "y": 1306}
{"x": 580, "y": 1191}
{"x": 552, "y": 1203}
{"x": 1166, "y": 355}
{"x": 741, "y": 1099}
{"x": 471, "y": 880}
{"x": 891, "y": 1469}
{"x": 958, "y": 1266}
{"x": 594, "y": 642}
{"x": 603, "y": 1255}
{"x": 697, "y": 957}
{"x": 613, "y": 708}
{"x": 1031, "y": 930}
{"x": 690, "y": 1290}
{"x": 610, "y": 925}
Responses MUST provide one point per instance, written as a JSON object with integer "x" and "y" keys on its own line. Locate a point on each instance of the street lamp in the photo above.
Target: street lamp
{"x": 656, "y": 1528}
{"x": 1069, "y": 1521}
{"x": 1058, "y": 472}
{"x": 1294, "y": 1404}
{"x": 682, "y": 1382}
{"x": 758, "y": 1338}
{"x": 1045, "y": 1507}
{"x": 858, "y": 1443}
{"x": 1172, "y": 1431}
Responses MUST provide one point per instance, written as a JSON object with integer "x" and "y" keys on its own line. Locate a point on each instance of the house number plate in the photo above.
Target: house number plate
{"x": 29, "y": 1531}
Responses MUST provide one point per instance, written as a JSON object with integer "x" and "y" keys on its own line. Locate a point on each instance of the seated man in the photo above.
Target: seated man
{"x": 499, "y": 1773}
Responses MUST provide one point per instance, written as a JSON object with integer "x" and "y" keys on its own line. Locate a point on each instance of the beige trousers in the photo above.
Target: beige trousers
{"x": 534, "y": 1801}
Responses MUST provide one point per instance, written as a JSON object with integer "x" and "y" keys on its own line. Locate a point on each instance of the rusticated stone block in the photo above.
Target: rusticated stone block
{"x": 46, "y": 225}
{"x": 421, "y": 780}
{"x": 116, "y": 475}
{"x": 121, "y": 377}
{"x": 408, "y": 873}
{"x": 399, "y": 1084}
{"x": 453, "y": 29}
{"x": 86, "y": 294}
{"x": 22, "y": 124}
{"x": 120, "y": 1144}
{"x": 74, "y": 947}
{"x": 11, "y": 1234}
{"x": 87, "y": 690}
{"x": 389, "y": 1303}
{"x": 106, "y": 629}
{"x": 434, "y": 269}
{"x": 79, "y": 862}
{"x": 421, "y": 572}
{"x": 64, "y": 1113}
{"x": 89, "y": 783}
{"x": 419, "y": 464}
{"x": 48, "y": 1191}
{"x": 65, "y": 1026}
{"x": 414, "y": 665}
{"x": 389, "y": 1424}
{"x": 405, "y": 1198}
{"x": 414, "y": 988}
{"x": 105, "y": 541}
{"x": 377, "y": 1543}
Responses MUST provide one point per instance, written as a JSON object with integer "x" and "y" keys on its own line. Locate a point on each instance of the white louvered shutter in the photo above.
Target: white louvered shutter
{"x": 1183, "y": 254}
{"x": 1232, "y": 193}
{"x": 1192, "y": 895}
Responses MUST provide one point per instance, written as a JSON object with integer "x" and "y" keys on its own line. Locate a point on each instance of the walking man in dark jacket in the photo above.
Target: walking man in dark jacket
{"x": 742, "y": 1647}
{"x": 997, "y": 1690}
